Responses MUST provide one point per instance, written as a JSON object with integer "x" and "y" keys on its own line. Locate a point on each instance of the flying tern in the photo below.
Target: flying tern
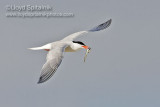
{"x": 67, "y": 44}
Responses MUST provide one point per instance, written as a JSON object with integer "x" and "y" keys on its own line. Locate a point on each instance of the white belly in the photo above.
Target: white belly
{"x": 69, "y": 49}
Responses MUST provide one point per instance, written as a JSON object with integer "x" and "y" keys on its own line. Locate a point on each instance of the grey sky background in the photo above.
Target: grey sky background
{"x": 122, "y": 69}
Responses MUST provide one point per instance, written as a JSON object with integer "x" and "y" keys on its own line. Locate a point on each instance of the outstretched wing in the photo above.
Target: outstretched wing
{"x": 97, "y": 28}
{"x": 54, "y": 59}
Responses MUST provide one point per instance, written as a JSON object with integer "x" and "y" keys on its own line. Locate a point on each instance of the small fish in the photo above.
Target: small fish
{"x": 87, "y": 51}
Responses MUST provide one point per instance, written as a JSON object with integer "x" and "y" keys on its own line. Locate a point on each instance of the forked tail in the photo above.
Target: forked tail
{"x": 45, "y": 47}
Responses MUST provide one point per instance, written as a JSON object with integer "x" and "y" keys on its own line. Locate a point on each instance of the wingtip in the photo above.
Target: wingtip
{"x": 102, "y": 26}
{"x": 40, "y": 81}
{"x": 109, "y": 22}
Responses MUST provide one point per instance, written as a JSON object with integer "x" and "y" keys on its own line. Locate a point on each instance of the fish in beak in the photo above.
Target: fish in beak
{"x": 88, "y": 49}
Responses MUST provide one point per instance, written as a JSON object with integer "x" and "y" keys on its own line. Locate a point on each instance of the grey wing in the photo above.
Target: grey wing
{"x": 101, "y": 26}
{"x": 49, "y": 69}
{"x": 51, "y": 65}
{"x": 97, "y": 28}
{"x": 74, "y": 36}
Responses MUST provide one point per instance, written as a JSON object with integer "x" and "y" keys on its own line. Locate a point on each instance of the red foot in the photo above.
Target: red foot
{"x": 47, "y": 49}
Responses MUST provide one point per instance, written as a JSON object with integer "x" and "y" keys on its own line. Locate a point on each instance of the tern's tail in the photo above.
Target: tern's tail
{"x": 45, "y": 47}
{"x": 36, "y": 48}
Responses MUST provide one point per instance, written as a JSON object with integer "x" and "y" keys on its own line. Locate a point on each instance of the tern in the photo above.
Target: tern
{"x": 56, "y": 50}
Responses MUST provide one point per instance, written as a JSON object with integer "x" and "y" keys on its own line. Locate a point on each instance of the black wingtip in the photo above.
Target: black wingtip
{"x": 102, "y": 26}
{"x": 40, "y": 81}
{"x": 109, "y": 22}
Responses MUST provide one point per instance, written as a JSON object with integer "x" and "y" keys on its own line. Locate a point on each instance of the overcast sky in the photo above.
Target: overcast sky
{"x": 122, "y": 69}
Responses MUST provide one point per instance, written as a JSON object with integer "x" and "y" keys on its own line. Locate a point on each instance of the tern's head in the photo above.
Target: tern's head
{"x": 81, "y": 44}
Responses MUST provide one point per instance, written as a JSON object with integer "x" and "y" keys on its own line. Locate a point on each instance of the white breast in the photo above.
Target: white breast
{"x": 73, "y": 48}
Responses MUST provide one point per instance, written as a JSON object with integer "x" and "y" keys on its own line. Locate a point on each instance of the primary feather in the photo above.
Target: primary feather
{"x": 97, "y": 28}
